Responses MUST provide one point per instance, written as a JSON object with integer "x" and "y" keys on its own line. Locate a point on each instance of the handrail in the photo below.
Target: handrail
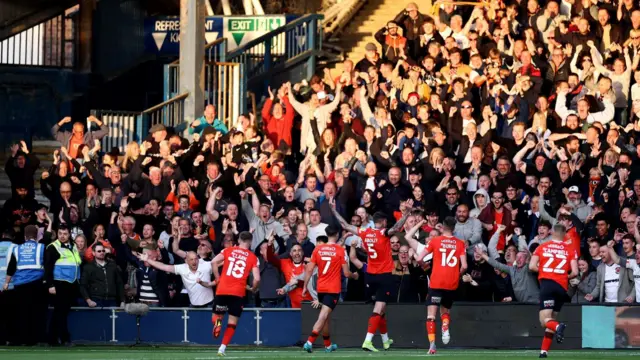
{"x": 216, "y": 42}
{"x": 290, "y": 26}
{"x": 435, "y": 8}
{"x": 165, "y": 103}
{"x": 339, "y": 14}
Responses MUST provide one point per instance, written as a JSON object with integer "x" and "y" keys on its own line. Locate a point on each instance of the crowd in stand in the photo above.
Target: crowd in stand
{"x": 510, "y": 118}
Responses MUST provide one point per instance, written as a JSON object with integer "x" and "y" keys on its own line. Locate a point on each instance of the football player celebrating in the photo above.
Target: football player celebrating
{"x": 552, "y": 261}
{"x": 379, "y": 270}
{"x": 449, "y": 261}
{"x": 331, "y": 260}
{"x": 237, "y": 262}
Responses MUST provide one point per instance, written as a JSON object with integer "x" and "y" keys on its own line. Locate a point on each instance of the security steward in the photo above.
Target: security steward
{"x": 62, "y": 272}
{"x": 26, "y": 271}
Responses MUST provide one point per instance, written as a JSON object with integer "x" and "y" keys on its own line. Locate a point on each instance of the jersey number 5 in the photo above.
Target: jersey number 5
{"x": 558, "y": 268}
{"x": 372, "y": 252}
{"x": 236, "y": 267}
{"x": 449, "y": 258}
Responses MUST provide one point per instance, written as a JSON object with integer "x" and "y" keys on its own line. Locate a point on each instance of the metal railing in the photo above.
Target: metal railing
{"x": 52, "y": 43}
{"x": 122, "y": 128}
{"x": 297, "y": 41}
{"x": 169, "y": 113}
{"x": 127, "y": 126}
{"x": 221, "y": 87}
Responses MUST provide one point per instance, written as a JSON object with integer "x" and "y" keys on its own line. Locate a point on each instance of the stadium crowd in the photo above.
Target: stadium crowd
{"x": 510, "y": 118}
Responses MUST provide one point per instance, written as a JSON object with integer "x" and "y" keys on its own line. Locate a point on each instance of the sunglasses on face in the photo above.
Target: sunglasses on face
{"x": 99, "y": 251}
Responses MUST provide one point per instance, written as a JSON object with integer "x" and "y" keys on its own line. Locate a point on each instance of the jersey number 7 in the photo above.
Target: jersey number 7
{"x": 326, "y": 264}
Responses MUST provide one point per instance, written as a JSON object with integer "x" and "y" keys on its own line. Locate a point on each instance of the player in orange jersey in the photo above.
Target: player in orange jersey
{"x": 237, "y": 262}
{"x": 552, "y": 261}
{"x": 572, "y": 238}
{"x": 331, "y": 261}
{"x": 380, "y": 266}
{"x": 449, "y": 261}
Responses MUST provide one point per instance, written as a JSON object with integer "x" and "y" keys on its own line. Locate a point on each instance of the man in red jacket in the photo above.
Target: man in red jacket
{"x": 278, "y": 123}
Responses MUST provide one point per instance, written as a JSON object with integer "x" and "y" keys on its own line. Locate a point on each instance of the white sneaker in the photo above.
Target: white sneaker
{"x": 446, "y": 337}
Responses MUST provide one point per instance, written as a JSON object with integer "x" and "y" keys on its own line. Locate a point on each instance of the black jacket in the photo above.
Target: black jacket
{"x": 101, "y": 283}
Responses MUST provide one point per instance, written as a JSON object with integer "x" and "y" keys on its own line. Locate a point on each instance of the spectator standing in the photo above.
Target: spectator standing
{"x": 278, "y": 118}
{"x": 196, "y": 278}
{"x": 101, "y": 284}
{"x": 77, "y": 137}
{"x": 21, "y": 168}
{"x": 411, "y": 21}
{"x": 524, "y": 282}
{"x": 582, "y": 285}
{"x": 208, "y": 120}
{"x": 614, "y": 283}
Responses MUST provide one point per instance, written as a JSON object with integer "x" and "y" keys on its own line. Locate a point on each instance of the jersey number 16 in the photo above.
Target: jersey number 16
{"x": 449, "y": 258}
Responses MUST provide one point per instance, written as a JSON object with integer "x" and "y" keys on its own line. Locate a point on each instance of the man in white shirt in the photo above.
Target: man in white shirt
{"x": 614, "y": 282}
{"x": 631, "y": 264}
{"x": 316, "y": 227}
{"x": 196, "y": 277}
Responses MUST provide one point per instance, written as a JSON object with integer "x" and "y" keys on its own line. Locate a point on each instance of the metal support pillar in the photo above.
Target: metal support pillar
{"x": 192, "y": 42}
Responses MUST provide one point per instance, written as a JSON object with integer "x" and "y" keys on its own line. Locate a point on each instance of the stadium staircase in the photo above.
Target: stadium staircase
{"x": 359, "y": 30}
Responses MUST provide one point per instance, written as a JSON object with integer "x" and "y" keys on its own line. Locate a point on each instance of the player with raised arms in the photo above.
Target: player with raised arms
{"x": 237, "y": 263}
{"x": 552, "y": 261}
{"x": 380, "y": 281}
{"x": 449, "y": 261}
{"x": 331, "y": 260}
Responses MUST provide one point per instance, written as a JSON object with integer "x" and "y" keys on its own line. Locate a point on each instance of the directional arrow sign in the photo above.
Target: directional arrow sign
{"x": 159, "y": 37}
{"x": 210, "y": 37}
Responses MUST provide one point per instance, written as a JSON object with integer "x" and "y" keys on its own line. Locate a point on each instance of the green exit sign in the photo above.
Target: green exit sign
{"x": 242, "y": 25}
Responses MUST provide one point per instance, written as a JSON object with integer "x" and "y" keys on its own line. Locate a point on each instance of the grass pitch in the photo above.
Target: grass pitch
{"x": 201, "y": 353}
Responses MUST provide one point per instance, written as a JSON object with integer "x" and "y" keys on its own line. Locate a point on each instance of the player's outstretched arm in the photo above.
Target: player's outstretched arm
{"x": 345, "y": 225}
{"x": 348, "y": 274}
{"x": 353, "y": 257}
{"x": 157, "y": 264}
{"x": 413, "y": 243}
{"x": 399, "y": 224}
{"x": 308, "y": 271}
{"x": 533, "y": 264}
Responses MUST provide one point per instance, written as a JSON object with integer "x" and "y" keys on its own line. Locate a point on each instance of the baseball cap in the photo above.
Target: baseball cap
{"x": 41, "y": 206}
{"x": 371, "y": 47}
{"x": 574, "y": 189}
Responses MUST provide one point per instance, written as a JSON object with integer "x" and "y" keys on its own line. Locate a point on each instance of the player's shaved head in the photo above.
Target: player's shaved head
{"x": 449, "y": 223}
{"x": 245, "y": 236}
